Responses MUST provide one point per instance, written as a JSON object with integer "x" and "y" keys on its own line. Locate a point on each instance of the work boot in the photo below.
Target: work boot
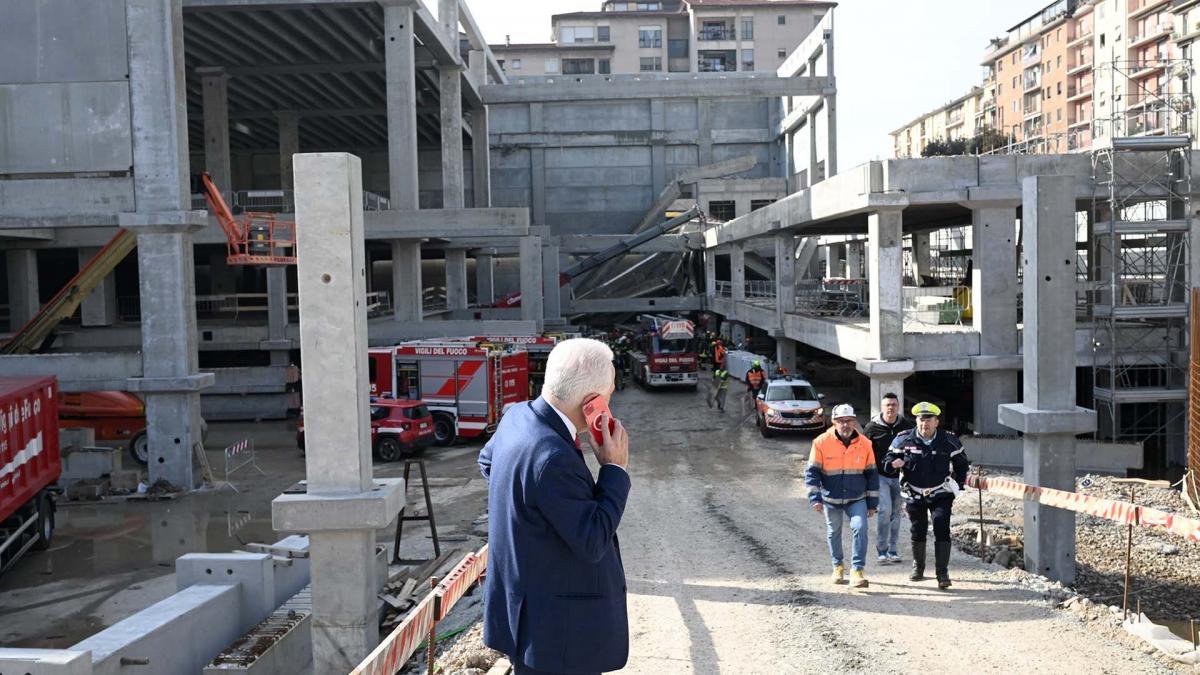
{"x": 941, "y": 558}
{"x": 839, "y": 574}
{"x": 860, "y": 581}
{"x": 918, "y": 571}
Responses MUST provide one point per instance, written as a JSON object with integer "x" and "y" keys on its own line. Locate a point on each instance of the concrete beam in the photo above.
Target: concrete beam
{"x": 635, "y": 305}
{"x": 589, "y": 244}
{"x": 479, "y": 43}
{"x": 610, "y": 88}
{"x": 390, "y": 332}
{"x": 92, "y": 371}
{"x": 447, "y": 223}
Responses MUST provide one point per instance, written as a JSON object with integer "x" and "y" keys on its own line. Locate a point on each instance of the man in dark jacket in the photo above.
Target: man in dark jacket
{"x": 933, "y": 468}
{"x": 554, "y": 597}
{"x": 882, "y": 430}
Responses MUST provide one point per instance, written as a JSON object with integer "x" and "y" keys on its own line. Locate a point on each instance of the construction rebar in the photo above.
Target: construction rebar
{"x": 1129, "y": 563}
{"x": 1191, "y": 481}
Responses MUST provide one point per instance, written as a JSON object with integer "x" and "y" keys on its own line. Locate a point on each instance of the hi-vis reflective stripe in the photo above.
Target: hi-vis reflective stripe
{"x": 32, "y": 449}
{"x": 1121, "y": 512}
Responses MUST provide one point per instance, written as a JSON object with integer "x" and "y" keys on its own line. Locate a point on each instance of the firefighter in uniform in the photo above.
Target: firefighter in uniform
{"x": 932, "y": 468}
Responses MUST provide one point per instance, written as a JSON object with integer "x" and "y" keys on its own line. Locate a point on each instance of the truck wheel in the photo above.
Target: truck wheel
{"x": 390, "y": 450}
{"x": 443, "y": 430}
{"x": 45, "y": 523}
{"x": 139, "y": 448}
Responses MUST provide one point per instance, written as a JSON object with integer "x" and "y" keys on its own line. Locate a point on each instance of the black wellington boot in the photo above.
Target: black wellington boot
{"x": 941, "y": 556}
{"x": 918, "y": 570}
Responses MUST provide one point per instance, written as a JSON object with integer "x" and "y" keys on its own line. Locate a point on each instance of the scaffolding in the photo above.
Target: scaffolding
{"x": 1139, "y": 262}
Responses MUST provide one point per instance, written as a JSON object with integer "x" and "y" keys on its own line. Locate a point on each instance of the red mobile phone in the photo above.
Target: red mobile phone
{"x": 592, "y": 410}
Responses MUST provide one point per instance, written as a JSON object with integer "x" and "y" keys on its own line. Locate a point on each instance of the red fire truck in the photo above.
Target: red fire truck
{"x": 538, "y": 348}
{"x": 665, "y": 353}
{"x": 29, "y": 464}
{"x": 467, "y": 384}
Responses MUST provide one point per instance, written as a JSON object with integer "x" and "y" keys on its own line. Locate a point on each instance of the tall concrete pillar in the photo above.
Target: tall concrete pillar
{"x": 400, "y": 73}
{"x": 829, "y": 107}
{"x": 704, "y": 130}
{"x": 408, "y": 295}
{"x": 456, "y": 279}
{"x": 922, "y": 256}
{"x": 481, "y": 145}
{"x": 785, "y": 354}
{"x": 450, "y": 79}
{"x": 785, "y": 277}
{"x": 812, "y": 149}
{"x": 710, "y": 272}
{"x": 343, "y": 503}
{"x": 1048, "y": 415}
{"x": 164, "y": 224}
{"x": 994, "y": 313}
{"x": 885, "y": 283}
{"x": 100, "y": 307}
{"x": 551, "y": 268}
{"x": 485, "y": 279}
{"x": 737, "y": 272}
{"x": 289, "y": 145}
{"x": 530, "y": 250}
{"x": 834, "y": 267}
{"x": 277, "y": 316}
{"x": 854, "y": 251}
{"x": 214, "y": 86}
{"x": 885, "y": 377}
{"x": 23, "y": 299}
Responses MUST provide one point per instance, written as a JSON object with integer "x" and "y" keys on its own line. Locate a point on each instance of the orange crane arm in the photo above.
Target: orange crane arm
{"x": 218, "y": 207}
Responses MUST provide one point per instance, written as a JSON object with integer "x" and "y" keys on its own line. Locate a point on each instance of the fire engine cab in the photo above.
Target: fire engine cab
{"x": 467, "y": 385}
{"x": 665, "y": 353}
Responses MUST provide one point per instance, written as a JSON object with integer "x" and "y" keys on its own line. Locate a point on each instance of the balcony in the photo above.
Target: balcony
{"x": 1032, "y": 83}
{"x": 1075, "y": 92}
{"x": 1153, "y": 32}
{"x": 1080, "y": 66}
{"x": 1147, "y": 67}
{"x": 716, "y": 34}
{"x": 1137, "y": 9}
{"x": 1081, "y": 38}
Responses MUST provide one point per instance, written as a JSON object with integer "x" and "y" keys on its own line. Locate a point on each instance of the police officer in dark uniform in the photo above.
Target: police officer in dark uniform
{"x": 932, "y": 468}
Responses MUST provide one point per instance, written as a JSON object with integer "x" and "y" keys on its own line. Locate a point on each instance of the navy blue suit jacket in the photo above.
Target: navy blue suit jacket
{"x": 554, "y": 597}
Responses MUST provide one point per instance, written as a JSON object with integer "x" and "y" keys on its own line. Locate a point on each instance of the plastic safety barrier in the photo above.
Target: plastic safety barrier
{"x": 1121, "y": 512}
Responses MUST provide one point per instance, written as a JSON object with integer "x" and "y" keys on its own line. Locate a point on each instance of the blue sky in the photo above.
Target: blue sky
{"x": 894, "y": 59}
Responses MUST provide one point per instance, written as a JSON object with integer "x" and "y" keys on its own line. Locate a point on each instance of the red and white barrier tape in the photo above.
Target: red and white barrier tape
{"x": 1121, "y": 512}
{"x": 240, "y": 446}
{"x": 395, "y": 649}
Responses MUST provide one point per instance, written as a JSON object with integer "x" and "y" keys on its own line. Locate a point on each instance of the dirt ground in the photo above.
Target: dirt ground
{"x": 727, "y": 566}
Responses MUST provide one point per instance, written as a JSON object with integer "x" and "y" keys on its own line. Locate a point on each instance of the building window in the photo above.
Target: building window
{"x": 579, "y": 66}
{"x": 782, "y": 53}
{"x": 575, "y": 35}
{"x": 516, "y": 64}
{"x": 602, "y": 34}
{"x": 748, "y": 28}
{"x": 605, "y": 67}
{"x": 650, "y": 64}
{"x": 722, "y": 210}
{"x": 781, "y": 20}
{"x": 500, "y": 62}
{"x": 999, "y": 88}
{"x": 1060, "y": 60}
{"x": 748, "y": 60}
{"x": 551, "y": 65}
{"x": 1060, "y": 89}
{"x": 756, "y": 204}
{"x": 650, "y": 37}
{"x": 1060, "y": 115}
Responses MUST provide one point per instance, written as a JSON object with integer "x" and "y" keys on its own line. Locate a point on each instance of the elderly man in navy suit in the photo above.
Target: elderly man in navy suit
{"x": 554, "y": 598}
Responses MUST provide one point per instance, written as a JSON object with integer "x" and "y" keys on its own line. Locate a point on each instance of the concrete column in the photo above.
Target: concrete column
{"x": 537, "y": 170}
{"x": 456, "y": 278}
{"x": 344, "y": 503}
{"x": 785, "y": 277}
{"x": 450, "y": 79}
{"x": 100, "y": 307}
{"x": 289, "y": 144}
{"x": 785, "y": 354}
{"x": 710, "y": 272}
{"x": 830, "y": 109}
{"x": 277, "y": 316}
{"x": 408, "y": 295}
{"x": 922, "y": 256}
{"x": 704, "y": 140}
{"x": 23, "y": 299}
{"x": 214, "y": 86}
{"x": 885, "y": 274}
{"x": 164, "y": 224}
{"x": 884, "y": 377}
{"x": 481, "y": 160}
{"x": 1048, "y": 415}
{"x": 531, "y": 278}
{"x": 400, "y": 73}
{"x": 833, "y": 261}
{"x": 854, "y": 251}
{"x": 658, "y": 151}
{"x": 812, "y": 149}
{"x": 994, "y": 311}
{"x": 551, "y": 267}
{"x": 485, "y": 279}
{"x": 737, "y": 273}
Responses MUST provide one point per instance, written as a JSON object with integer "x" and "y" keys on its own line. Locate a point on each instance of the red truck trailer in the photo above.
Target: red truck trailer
{"x": 467, "y": 385}
{"x": 537, "y": 347}
{"x": 29, "y": 464}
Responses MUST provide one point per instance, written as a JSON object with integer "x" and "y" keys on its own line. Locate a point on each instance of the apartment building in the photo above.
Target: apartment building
{"x": 1077, "y": 72}
{"x": 671, "y": 36}
{"x": 957, "y": 119}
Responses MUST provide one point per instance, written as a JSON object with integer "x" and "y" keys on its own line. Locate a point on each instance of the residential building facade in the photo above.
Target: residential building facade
{"x": 957, "y": 119}
{"x": 671, "y": 36}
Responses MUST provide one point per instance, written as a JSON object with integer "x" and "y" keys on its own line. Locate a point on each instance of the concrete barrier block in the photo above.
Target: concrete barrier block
{"x": 255, "y": 572}
{"x": 87, "y": 463}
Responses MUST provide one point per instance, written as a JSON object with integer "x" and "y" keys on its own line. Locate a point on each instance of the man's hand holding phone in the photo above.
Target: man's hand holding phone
{"x": 609, "y": 441}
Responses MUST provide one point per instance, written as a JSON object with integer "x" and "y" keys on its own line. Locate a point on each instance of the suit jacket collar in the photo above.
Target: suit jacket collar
{"x": 548, "y": 415}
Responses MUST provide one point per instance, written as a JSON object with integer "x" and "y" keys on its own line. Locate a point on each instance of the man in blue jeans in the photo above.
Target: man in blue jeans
{"x": 842, "y": 482}
{"x": 882, "y": 430}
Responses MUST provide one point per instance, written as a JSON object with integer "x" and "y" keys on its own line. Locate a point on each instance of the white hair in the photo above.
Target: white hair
{"x": 576, "y": 368}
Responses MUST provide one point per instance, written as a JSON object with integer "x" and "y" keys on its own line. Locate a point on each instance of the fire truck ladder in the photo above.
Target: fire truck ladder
{"x": 255, "y": 239}
{"x": 34, "y": 334}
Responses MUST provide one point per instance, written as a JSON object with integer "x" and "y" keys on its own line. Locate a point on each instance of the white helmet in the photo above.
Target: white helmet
{"x": 843, "y": 410}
